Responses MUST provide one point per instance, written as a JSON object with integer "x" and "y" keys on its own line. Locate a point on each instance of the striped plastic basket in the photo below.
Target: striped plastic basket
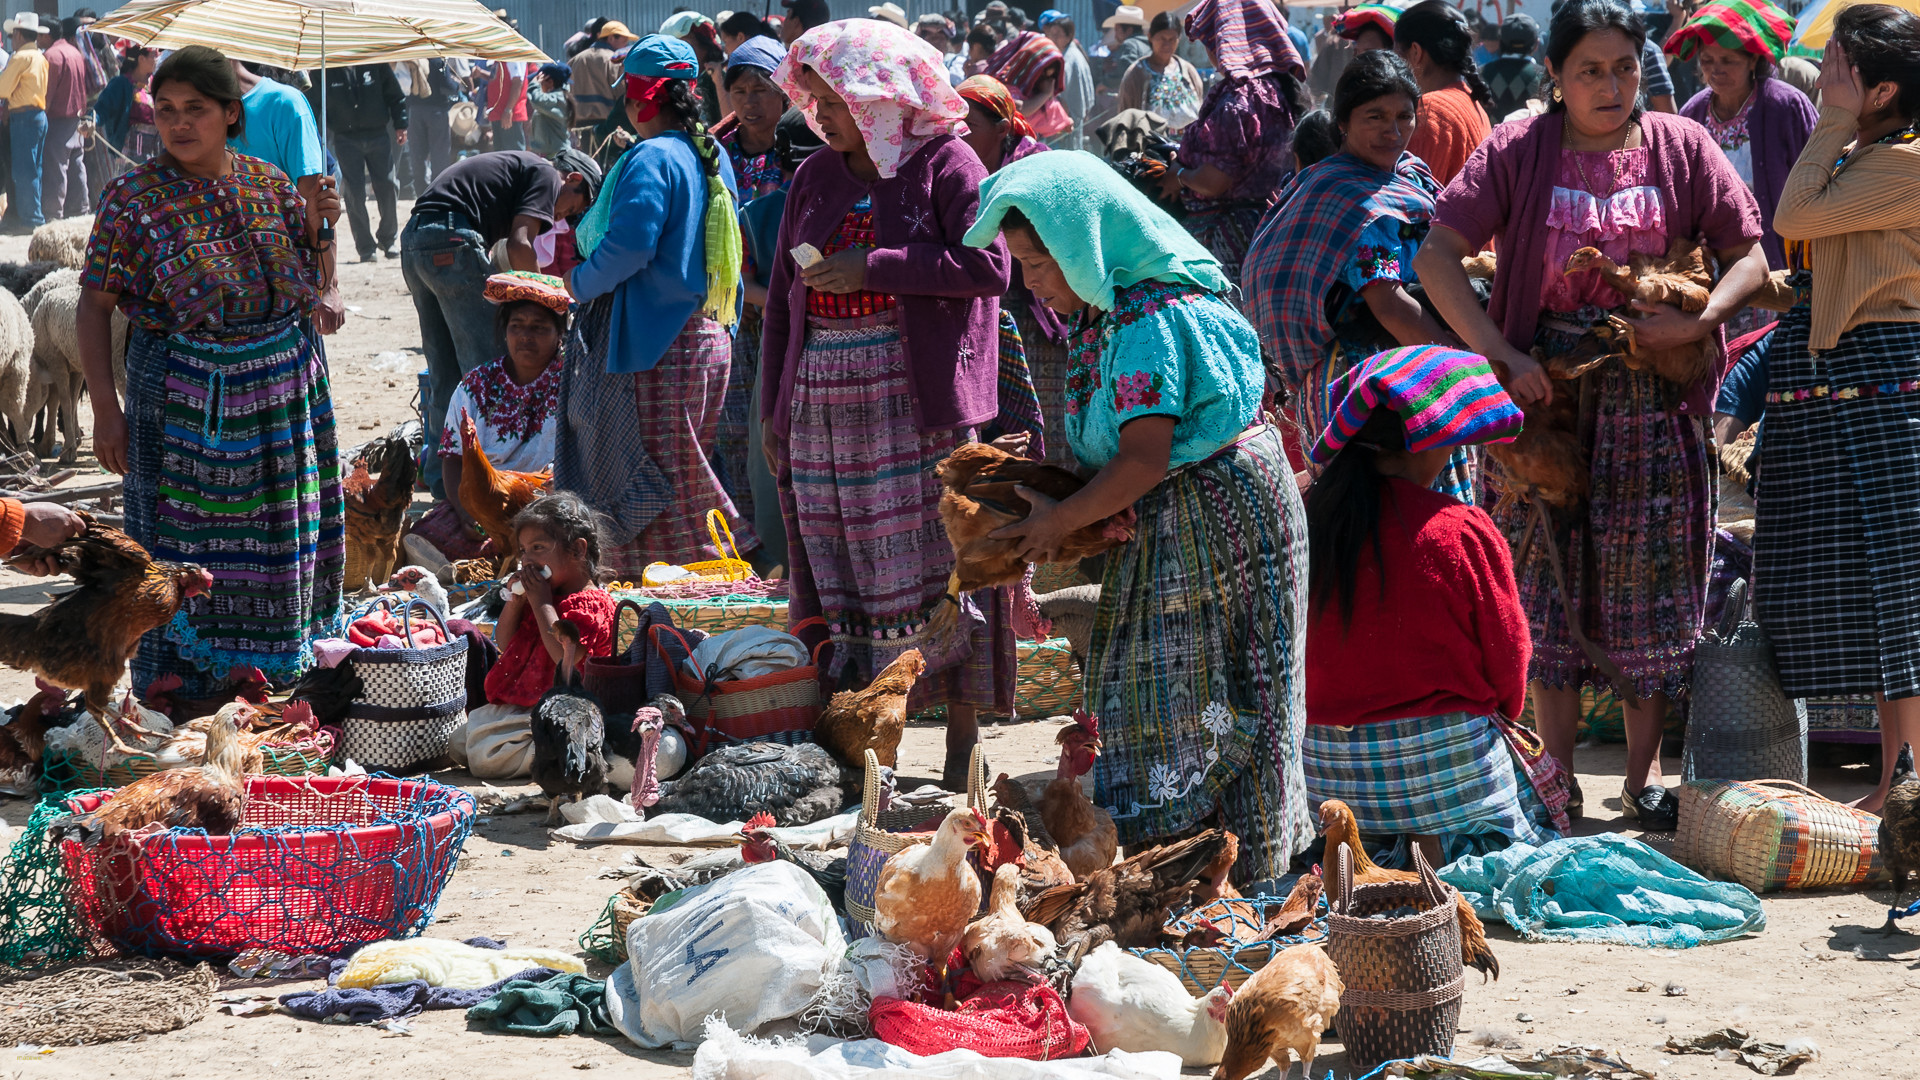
{"x": 881, "y": 833}
{"x": 1775, "y": 834}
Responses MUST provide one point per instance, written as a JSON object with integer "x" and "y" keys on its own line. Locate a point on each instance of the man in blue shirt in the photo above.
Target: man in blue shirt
{"x": 280, "y": 131}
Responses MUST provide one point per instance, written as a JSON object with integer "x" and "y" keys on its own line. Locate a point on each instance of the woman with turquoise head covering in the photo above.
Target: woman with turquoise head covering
{"x": 646, "y": 375}
{"x": 1197, "y": 664}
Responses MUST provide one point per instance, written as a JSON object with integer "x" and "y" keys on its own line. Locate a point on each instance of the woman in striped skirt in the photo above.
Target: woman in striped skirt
{"x": 1837, "y": 522}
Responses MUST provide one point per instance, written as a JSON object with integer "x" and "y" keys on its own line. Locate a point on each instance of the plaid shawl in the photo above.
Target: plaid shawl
{"x": 1024, "y": 61}
{"x": 597, "y": 451}
{"x": 1755, "y": 27}
{"x": 1307, "y": 236}
{"x": 1248, "y": 37}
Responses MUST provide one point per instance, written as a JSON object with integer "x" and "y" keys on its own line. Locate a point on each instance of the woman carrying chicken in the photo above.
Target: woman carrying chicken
{"x": 1594, "y": 170}
{"x": 880, "y": 357}
{"x": 1198, "y": 650}
{"x": 226, "y": 439}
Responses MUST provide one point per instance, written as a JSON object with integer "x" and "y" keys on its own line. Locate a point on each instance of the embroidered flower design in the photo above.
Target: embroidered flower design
{"x": 1139, "y": 390}
{"x": 1378, "y": 261}
{"x": 1083, "y": 370}
{"x": 1217, "y": 718}
{"x": 1163, "y": 782}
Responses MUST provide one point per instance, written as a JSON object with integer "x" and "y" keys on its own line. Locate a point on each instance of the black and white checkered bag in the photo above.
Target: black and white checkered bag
{"x": 413, "y": 700}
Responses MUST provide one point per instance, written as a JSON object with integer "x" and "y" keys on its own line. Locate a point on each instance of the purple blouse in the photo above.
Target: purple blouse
{"x": 1778, "y": 123}
{"x": 1245, "y": 130}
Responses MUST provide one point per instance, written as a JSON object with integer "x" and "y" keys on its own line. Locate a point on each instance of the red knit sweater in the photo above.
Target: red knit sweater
{"x": 524, "y": 672}
{"x": 1448, "y": 636}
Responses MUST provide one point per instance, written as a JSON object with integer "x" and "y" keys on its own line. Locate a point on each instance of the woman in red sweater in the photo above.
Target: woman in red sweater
{"x": 1416, "y": 642}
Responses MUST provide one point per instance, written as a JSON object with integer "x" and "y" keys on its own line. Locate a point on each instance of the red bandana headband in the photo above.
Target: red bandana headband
{"x": 649, "y": 91}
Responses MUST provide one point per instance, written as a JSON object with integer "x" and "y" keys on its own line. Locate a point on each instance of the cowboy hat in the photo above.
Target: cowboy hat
{"x": 890, "y": 12}
{"x": 26, "y": 20}
{"x": 1127, "y": 15}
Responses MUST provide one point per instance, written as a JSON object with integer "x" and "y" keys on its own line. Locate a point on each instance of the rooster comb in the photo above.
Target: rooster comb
{"x": 761, "y": 820}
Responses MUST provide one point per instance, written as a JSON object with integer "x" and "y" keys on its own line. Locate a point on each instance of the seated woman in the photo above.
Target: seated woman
{"x": 512, "y": 399}
{"x": 1422, "y": 746}
{"x": 559, "y": 560}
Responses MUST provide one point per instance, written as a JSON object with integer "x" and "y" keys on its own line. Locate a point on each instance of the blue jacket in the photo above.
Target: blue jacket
{"x": 654, "y": 255}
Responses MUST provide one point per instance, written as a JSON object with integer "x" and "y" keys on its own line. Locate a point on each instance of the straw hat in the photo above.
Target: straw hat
{"x": 890, "y": 12}
{"x": 1128, "y": 15}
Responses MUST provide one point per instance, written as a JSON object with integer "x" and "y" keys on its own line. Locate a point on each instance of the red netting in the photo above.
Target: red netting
{"x": 1002, "y": 1019}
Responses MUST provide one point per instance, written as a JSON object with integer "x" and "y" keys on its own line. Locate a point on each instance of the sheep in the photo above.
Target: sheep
{"x": 63, "y": 241}
{"x": 16, "y": 367}
{"x": 20, "y": 278}
{"x": 54, "y": 305}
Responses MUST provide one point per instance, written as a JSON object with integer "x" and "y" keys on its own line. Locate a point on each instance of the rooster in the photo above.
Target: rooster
{"x": 493, "y": 496}
{"x": 1085, "y": 833}
{"x": 569, "y": 735}
{"x": 1002, "y": 942}
{"x": 758, "y": 845}
{"x": 211, "y": 797}
{"x": 856, "y": 721}
{"x": 82, "y": 640}
{"x": 1283, "y": 1006}
{"x": 377, "y": 493}
{"x": 24, "y": 739}
{"x": 983, "y": 495}
{"x": 1900, "y": 828}
{"x": 1337, "y": 820}
{"x": 1680, "y": 279}
{"x": 927, "y": 893}
{"x": 1129, "y": 901}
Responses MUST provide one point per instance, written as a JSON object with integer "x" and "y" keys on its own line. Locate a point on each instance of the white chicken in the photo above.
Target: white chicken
{"x": 1131, "y": 1004}
{"x": 1002, "y": 942}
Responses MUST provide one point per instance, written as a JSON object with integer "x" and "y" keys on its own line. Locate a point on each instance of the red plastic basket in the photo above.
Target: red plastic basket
{"x": 318, "y": 864}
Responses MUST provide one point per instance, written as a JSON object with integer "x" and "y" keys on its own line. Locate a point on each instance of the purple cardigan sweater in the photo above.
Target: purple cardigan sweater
{"x": 949, "y": 294}
{"x": 1506, "y": 188}
{"x": 1778, "y": 126}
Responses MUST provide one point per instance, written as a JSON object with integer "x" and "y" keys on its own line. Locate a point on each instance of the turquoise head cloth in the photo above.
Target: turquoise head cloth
{"x": 1104, "y": 233}
{"x": 658, "y": 57}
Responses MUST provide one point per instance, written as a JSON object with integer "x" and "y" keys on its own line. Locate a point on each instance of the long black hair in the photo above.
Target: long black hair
{"x": 1442, "y": 31}
{"x": 1343, "y": 513}
{"x": 1315, "y": 138}
{"x": 681, "y": 108}
{"x": 1372, "y": 75}
{"x": 1884, "y": 43}
{"x": 1573, "y": 20}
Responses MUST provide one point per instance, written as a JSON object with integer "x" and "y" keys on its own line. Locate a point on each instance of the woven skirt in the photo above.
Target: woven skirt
{"x": 866, "y": 549}
{"x": 1836, "y": 560}
{"x": 1447, "y": 776}
{"x": 732, "y": 444}
{"x": 679, "y": 402}
{"x": 1639, "y": 556}
{"x": 1225, "y": 228}
{"x": 1047, "y": 364}
{"x": 1198, "y": 655}
{"x": 232, "y": 465}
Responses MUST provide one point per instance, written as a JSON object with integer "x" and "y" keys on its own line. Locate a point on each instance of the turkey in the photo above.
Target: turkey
{"x": 798, "y": 785}
{"x": 569, "y": 736}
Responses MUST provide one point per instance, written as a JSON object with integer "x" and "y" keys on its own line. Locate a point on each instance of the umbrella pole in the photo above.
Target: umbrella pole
{"x": 326, "y": 228}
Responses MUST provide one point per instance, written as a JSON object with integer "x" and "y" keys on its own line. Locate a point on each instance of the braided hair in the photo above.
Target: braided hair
{"x": 1442, "y": 31}
{"x": 681, "y": 107}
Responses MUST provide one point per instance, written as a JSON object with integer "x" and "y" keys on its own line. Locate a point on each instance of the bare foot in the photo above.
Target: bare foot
{"x": 1871, "y": 803}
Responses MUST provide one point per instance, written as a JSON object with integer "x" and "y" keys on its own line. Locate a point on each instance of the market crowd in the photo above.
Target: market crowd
{"x": 781, "y": 268}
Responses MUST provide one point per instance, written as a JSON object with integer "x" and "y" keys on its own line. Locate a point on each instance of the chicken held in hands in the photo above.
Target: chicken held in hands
{"x": 926, "y": 894}
{"x": 83, "y": 640}
{"x": 1136, "y": 1005}
{"x": 856, "y": 721}
{"x": 1284, "y": 1006}
{"x": 1085, "y": 833}
{"x": 1337, "y": 821}
{"x": 982, "y": 494}
{"x": 1681, "y": 279}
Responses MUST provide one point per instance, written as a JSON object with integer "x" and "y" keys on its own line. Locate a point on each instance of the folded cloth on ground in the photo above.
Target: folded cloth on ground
{"x": 496, "y": 742}
{"x": 725, "y": 1055}
{"x": 1607, "y": 889}
{"x": 601, "y": 819}
{"x": 560, "y": 1005}
{"x": 439, "y": 962}
{"x": 747, "y": 653}
{"x": 393, "y": 1001}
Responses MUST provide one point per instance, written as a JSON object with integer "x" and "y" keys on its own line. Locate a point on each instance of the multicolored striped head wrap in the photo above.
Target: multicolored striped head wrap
{"x": 1754, "y": 27}
{"x": 1445, "y": 397}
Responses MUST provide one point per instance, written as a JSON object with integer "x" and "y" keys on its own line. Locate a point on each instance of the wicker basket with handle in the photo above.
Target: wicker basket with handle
{"x": 1775, "y": 834}
{"x": 881, "y": 833}
{"x": 1403, "y": 974}
{"x": 780, "y": 707}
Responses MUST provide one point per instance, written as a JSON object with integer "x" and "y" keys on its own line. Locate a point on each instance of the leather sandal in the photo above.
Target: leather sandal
{"x": 1655, "y": 808}
{"x": 1576, "y": 802}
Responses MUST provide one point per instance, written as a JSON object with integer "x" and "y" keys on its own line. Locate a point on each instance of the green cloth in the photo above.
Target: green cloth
{"x": 593, "y": 224}
{"x": 562, "y": 1005}
{"x": 1102, "y": 231}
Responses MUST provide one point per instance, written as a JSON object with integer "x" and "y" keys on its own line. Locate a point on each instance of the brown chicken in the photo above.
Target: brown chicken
{"x": 1547, "y": 461}
{"x": 1085, "y": 833}
{"x": 377, "y": 493}
{"x": 1127, "y": 902}
{"x": 212, "y": 796}
{"x": 1680, "y": 279}
{"x": 1040, "y": 864}
{"x": 1214, "y": 883}
{"x": 1002, "y": 944}
{"x": 493, "y": 496}
{"x": 982, "y": 495}
{"x": 1284, "y": 1006}
{"x": 856, "y": 721}
{"x": 928, "y": 893}
{"x": 24, "y": 739}
{"x": 82, "y": 640}
{"x": 1336, "y": 819}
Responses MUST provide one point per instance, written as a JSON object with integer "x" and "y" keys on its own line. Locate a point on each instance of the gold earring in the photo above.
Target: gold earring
{"x": 1556, "y": 92}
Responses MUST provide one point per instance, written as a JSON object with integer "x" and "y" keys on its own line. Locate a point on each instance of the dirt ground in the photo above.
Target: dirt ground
{"x": 1814, "y": 973}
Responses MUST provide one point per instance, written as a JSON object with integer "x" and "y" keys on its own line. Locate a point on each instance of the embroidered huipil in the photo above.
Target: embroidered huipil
{"x": 514, "y": 422}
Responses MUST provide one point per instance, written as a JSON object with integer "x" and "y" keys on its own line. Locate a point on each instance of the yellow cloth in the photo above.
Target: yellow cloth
{"x": 1862, "y": 226}
{"x": 23, "y": 83}
{"x": 440, "y": 962}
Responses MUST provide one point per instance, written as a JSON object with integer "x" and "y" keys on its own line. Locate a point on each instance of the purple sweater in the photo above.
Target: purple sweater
{"x": 949, "y": 294}
{"x": 1777, "y": 127}
{"x": 1506, "y": 188}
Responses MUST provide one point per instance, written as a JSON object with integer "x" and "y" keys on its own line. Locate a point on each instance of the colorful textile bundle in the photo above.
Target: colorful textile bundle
{"x": 1754, "y": 27}
{"x": 1445, "y": 397}
{"x": 1024, "y": 61}
{"x": 517, "y": 285}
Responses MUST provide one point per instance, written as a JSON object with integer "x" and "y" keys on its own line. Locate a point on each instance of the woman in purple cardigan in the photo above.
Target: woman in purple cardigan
{"x": 1595, "y": 170}
{"x": 880, "y": 354}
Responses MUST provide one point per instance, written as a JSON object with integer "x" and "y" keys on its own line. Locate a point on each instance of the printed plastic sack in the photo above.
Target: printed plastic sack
{"x": 751, "y": 947}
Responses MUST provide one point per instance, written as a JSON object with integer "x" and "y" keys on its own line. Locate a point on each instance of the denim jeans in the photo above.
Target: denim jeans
{"x": 364, "y": 158}
{"x": 445, "y": 269}
{"x": 28, "y": 127}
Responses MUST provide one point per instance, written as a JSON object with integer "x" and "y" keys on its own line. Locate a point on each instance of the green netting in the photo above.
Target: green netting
{"x": 42, "y": 925}
{"x": 600, "y": 941}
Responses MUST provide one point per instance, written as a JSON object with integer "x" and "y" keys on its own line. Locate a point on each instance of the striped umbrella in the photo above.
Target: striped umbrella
{"x": 302, "y": 34}
{"x": 1816, "y": 23}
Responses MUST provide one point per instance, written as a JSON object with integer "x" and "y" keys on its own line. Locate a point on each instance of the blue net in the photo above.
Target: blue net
{"x": 1241, "y": 949}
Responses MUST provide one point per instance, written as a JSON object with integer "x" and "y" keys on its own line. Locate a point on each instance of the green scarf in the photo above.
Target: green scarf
{"x": 722, "y": 230}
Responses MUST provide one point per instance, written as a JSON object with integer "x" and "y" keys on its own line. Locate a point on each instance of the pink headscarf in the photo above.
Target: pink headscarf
{"x": 894, "y": 83}
{"x": 1248, "y": 37}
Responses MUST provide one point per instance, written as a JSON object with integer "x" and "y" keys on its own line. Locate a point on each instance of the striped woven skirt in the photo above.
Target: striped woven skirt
{"x": 865, "y": 546}
{"x": 1836, "y": 560}
{"x": 1446, "y": 776}
{"x": 1047, "y": 364}
{"x": 1198, "y": 655}
{"x": 232, "y": 465}
{"x": 679, "y": 401}
{"x": 1225, "y": 228}
{"x": 1638, "y": 558}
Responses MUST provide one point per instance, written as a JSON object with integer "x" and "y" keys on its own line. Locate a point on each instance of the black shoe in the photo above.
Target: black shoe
{"x": 1655, "y": 809}
{"x": 390, "y": 252}
{"x": 1576, "y": 802}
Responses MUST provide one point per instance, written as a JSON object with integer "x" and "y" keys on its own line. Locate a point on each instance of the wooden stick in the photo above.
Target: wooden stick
{"x": 68, "y": 495}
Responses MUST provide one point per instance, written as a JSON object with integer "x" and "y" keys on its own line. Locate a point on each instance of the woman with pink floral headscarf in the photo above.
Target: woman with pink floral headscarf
{"x": 881, "y": 354}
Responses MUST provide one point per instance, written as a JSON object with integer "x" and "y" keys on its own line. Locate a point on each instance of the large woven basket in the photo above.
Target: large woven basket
{"x": 1238, "y": 956}
{"x": 781, "y": 707}
{"x": 1775, "y": 834}
{"x": 1403, "y": 975}
{"x": 881, "y": 833}
{"x": 1048, "y": 683}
